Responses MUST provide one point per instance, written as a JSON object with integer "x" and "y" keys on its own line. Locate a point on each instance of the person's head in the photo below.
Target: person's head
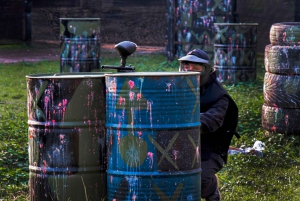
{"x": 198, "y": 61}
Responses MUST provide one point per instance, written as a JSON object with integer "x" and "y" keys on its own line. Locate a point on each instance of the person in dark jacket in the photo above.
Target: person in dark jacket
{"x": 218, "y": 117}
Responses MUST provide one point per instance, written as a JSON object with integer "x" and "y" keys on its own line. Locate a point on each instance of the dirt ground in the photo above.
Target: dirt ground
{"x": 45, "y": 51}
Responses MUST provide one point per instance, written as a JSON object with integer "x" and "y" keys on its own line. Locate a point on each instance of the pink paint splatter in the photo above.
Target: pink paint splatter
{"x": 284, "y": 37}
{"x": 44, "y": 170}
{"x": 131, "y": 95}
{"x": 168, "y": 86}
{"x": 113, "y": 87}
{"x": 198, "y": 154}
{"x": 131, "y": 84}
{"x": 175, "y": 154}
{"x": 111, "y": 140}
{"x": 121, "y": 100}
{"x": 119, "y": 136}
{"x": 149, "y": 108}
{"x": 46, "y": 102}
{"x": 61, "y": 137}
{"x": 150, "y": 156}
{"x": 286, "y": 119}
{"x": 88, "y": 100}
{"x": 64, "y": 102}
{"x": 132, "y": 116}
{"x": 31, "y": 135}
{"x": 273, "y": 128}
{"x": 139, "y": 96}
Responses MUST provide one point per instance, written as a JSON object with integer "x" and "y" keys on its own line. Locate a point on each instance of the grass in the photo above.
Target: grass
{"x": 274, "y": 176}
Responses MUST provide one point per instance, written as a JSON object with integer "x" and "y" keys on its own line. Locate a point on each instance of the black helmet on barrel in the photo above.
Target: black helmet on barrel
{"x": 197, "y": 56}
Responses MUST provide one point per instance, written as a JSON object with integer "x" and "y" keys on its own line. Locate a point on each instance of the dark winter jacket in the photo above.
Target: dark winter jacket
{"x": 218, "y": 117}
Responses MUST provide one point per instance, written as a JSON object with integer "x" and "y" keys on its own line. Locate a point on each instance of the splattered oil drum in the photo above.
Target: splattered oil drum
{"x": 79, "y": 44}
{"x": 153, "y": 136}
{"x": 190, "y": 25}
{"x": 235, "y": 52}
{"x": 67, "y": 151}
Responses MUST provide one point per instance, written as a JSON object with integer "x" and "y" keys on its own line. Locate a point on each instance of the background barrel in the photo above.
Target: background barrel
{"x": 235, "y": 52}
{"x": 190, "y": 25}
{"x": 79, "y": 44}
{"x": 67, "y": 152}
{"x": 153, "y": 136}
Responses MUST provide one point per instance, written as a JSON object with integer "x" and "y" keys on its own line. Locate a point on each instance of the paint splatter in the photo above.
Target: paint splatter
{"x": 168, "y": 86}
{"x": 138, "y": 96}
{"x": 131, "y": 84}
{"x": 150, "y": 157}
{"x": 131, "y": 95}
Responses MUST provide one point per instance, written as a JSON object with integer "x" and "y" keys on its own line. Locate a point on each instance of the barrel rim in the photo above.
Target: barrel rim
{"x": 153, "y": 74}
{"x": 68, "y": 75}
{"x": 154, "y": 173}
{"x": 235, "y": 24}
{"x": 79, "y": 19}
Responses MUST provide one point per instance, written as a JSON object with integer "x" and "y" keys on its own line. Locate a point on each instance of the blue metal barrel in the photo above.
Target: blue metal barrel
{"x": 67, "y": 151}
{"x": 153, "y": 136}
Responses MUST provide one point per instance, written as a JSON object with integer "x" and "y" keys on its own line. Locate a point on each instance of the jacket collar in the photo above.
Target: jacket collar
{"x": 212, "y": 78}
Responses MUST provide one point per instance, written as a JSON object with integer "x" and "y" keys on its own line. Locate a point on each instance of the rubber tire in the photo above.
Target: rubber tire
{"x": 282, "y": 90}
{"x": 285, "y": 33}
{"x": 282, "y": 59}
{"x": 281, "y": 120}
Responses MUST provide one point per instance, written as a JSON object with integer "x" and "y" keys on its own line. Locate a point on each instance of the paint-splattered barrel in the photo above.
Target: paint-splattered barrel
{"x": 79, "y": 44}
{"x": 153, "y": 136}
{"x": 235, "y": 52}
{"x": 67, "y": 151}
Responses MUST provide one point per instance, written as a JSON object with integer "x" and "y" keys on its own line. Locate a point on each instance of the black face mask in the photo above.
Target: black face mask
{"x": 184, "y": 63}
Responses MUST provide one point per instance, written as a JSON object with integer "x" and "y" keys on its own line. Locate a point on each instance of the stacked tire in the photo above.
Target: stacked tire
{"x": 281, "y": 108}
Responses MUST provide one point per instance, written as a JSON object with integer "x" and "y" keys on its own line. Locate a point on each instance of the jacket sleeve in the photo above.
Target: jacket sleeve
{"x": 213, "y": 118}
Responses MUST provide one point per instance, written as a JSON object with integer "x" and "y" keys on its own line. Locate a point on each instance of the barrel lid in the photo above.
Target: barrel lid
{"x": 237, "y": 24}
{"x": 68, "y": 75}
{"x": 154, "y": 74}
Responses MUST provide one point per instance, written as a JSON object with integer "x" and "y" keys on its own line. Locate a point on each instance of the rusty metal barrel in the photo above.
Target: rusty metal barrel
{"x": 79, "y": 44}
{"x": 235, "y": 52}
{"x": 67, "y": 151}
{"x": 153, "y": 136}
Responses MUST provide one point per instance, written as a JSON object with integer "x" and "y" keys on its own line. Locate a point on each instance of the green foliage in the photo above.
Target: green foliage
{"x": 13, "y": 126}
{"x": 274, "y": 176}
{"x": 13, "y": 46}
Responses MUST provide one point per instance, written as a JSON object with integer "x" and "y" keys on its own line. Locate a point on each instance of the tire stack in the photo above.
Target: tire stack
{"x": 281, "y": 109}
